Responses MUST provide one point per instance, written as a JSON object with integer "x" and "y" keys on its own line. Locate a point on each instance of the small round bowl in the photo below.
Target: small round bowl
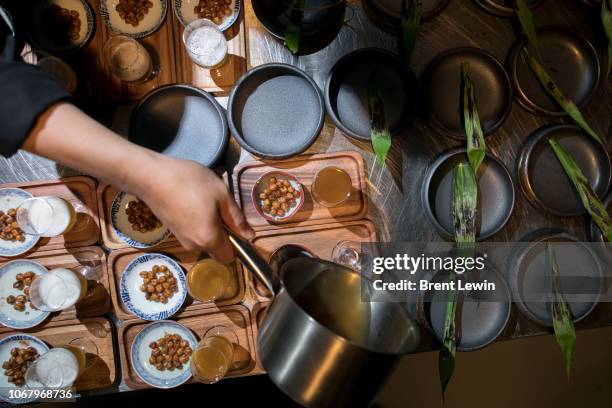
{"x": 140, "y": 352}
{"x": 20, "y": 340}
{"x": 134, "y": 299}
{"x": 12, "y": 198}
{"x": 184, "y": 11}
{"x": 154, "y": 18}
{"x": 260, "y": 185}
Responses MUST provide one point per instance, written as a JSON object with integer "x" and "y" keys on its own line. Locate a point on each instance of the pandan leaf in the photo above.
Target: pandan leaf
{"x": 563, "y": 324}
{"x": 606, "y": 19}
{"x": 381, "y": 137}
{"x": 411, "y": 22}
{"x": 446, "y": 357}
{"x": 525, "y": 17}
{"x": 589, "y": 199}
{"x": 293, "y": 32}
{"x": 475, "y": 145}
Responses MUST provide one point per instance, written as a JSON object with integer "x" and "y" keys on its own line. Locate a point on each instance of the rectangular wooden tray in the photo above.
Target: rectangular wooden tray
{"x": 258, "y": 313}
{"x": 118, "y": 260}
{"x": 236, "y": 318}
{"x": 81, "y": 193}
{"x": 304, "y": 168}
{"x": 103, "y": 373}
{"x": 98, "y": 300}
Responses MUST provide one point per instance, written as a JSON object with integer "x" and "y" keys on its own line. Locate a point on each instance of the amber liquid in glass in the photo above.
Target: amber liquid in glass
{"x": 80, "y": 356}
{"x": 207, "y": 280}
{"x": 332, "y": 186}
{"x": 212, "y": 359}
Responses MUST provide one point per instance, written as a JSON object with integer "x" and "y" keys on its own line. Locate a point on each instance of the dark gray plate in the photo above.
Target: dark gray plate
{"x": 442, "y": 90}
{"x": 504, "y": 8}
{"x": 578, "y": 267}
{"x": 181, "y": 121}
{"x": 484, "y": 315}
{"x": 386, "y": 13}
{"x": 495, "y": 194}
{"x": 542, "y": 178}
{"x": 276, "y": 111}
{"x": 571, "y": 61}
{"x": 593, "y": 231}
{"x": 346, "y": 91}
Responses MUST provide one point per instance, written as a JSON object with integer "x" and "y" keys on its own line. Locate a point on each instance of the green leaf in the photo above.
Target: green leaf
{"x": 410, "y": 24}
{"x": 563, "y": 323}
{"x": 525, "y": 17}
{"x": 293, "y": 32}
{"x": 446, "y": 357}
{"x": 465, "y": 199}
{"x": 606, "y": 19}
{"x": 589, "y": 199}
{"x": 381, "y": 137}
{"x": 476, "y": 148}
{"x": 553, "y": 90}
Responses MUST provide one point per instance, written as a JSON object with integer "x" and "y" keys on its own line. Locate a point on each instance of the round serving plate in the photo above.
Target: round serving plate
{"x": 569, "y": 58}
{"x": 529, "y": 275}
{"x": 495, "y": 194}
{"x": 134, "y": 299}
{"x": 140, "y": 353}
{"x": 484, "y": 314}
{"x": 504, "y": 8}
{"x": 276, "y": 111}
{"x": 184, "y": 10}
{"x": 181, "y": 121}
{"x": 593, "y": 231}
{"x": 123, "y": 228}
{"x": 19, "y": 340}
{"x": 542, "y": 178}
{"x": 387, "y": 13}
{"x": 12, "y": 198}
{"x": 40, "y": 31}
{"x": 151, "y": 22}
{"x": 346, "y": 91}
{"x": 442, "y": 88}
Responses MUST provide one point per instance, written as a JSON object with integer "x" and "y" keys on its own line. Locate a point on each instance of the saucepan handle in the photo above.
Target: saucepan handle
{"x": 253, "y": 261}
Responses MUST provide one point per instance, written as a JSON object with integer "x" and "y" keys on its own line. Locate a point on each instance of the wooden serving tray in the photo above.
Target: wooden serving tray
{"x": 81, "y": 193}
{"x": 103, "y": 372}
{"x": 118, "y": 260}
{"x": 236, "y": 317}
{"x": 258, "y": 313}
{"x": 98, "y": 300}
{"x": 304, "y": 168}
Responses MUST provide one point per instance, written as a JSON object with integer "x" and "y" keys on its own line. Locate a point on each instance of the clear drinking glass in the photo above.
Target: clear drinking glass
{"x": 207, "y": 280}
{"x": 349, "y": 254}
{"x": 57, "y": 69}
{"x": 331, "y": 186}
{"x": 59, "y": 289}
{"x": 127, "y": 59}
{"x": 46, "y": 216}
{"x": 213, "y": 355}
{"x": 205, "y": 43}
{"x": 57, "y": 369}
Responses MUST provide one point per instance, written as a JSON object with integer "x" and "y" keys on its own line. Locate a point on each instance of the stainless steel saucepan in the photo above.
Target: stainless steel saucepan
{"x": 320, "y": 343}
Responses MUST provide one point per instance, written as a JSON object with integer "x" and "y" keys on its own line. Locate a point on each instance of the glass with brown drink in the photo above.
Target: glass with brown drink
{"x": 207, "y": 280}
{"x": 213, "y": 355}
{"x": 127, "y": 59}
{"x": 331, "y": 187}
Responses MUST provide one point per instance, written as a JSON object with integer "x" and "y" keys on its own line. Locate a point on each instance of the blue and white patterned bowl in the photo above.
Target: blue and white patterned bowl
{"x": 140, "y": 353}
{"x": 184, "y": 10}
{"x": 134, "y": 299}
{"x": 6, "y": 344}
{"x": 154, "y": 18}
{"x": 12, "y": 198}
{"x": 10, "y": 317}
{"x": 123, "y": 228}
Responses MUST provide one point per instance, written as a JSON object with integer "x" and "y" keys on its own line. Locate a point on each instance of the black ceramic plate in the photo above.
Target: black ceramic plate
{"x": 346, "y": 91}
{"x": 442, "y": 90}
{"x": 593, "y": 230}
{"x": 495, "y": 194}
{"x": 580, "y": 272}
{"x": 181, "y": 121}
{"x": 542, "y": 178}
{"x": 387, "y": 12}
{"x": 276, "y": 111}
{"x": 484, "y": 314}
{"x": 572, "y": 63}
{"x": 504, "y": 8}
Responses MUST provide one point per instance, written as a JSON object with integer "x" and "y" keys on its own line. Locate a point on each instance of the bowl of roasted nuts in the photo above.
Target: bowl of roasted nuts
{"x": 153, "y": 287}
{"x": 17, "y": 352}
{"x": 160, "y": 354}
{"x": 16, "y": 310}
{"x": 133, "y": 18}
{"x": 13, "y": 241}
{"x": 223, "y": 13}
{"x": 135, "y": 224}
{"x": 277, "y": 196}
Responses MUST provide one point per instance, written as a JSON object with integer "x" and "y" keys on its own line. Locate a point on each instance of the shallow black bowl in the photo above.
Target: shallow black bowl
{"x": 276, "y": 111}
{"x": 504, "y": 8}
{"x": 542, "y": 178}
{"x": 386, "y": 13}
{"x": 442, "y": 84}
{"x": 346, "y": 91}
{"x": 570, "y": 59}
{"x": 181, "y": 121}
{"x": 495, "y": 194}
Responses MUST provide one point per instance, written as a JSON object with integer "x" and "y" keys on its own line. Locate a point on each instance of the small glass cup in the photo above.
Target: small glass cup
{"x": 47, "y": 216}
{"x": 349, "y": 254}
{"x": 57, "y": 69}
{"x": 127, "y": 59}
{"x": 331, "y": 186}
{"x": 59, "y": 289}
{"x": 213, "y": 356}
{"x": 207, "y": 280}
{"x": 57, "y": 369}
{"x": 205, "y": 43}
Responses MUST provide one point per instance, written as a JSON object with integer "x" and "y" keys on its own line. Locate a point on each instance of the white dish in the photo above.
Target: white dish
{"x": 123, "y": 228}
{"x": 184, "y": 10}
{"x": 153, "y": 19}
{"x": 12, "y": 198}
